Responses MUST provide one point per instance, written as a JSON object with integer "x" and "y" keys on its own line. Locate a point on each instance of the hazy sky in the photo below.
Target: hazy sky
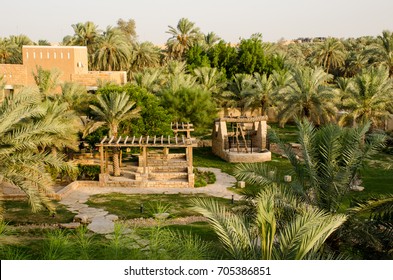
{"x": 229, "y": 19}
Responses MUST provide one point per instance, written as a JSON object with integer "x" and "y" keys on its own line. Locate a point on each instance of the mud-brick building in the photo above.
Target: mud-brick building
{"x": 70, "y": 61}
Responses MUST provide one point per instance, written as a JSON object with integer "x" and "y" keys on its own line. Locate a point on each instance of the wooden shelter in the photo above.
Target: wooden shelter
{"x": 155, "y": 165}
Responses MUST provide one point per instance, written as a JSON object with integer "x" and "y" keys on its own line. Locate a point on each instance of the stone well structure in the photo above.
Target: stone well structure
{"x": 241, "y": 139}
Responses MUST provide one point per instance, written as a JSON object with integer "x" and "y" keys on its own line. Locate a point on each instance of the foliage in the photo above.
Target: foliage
{"x": 262, "y": 237}
{"x": 88, "y": 172}
{"x": 197, "y": 57}
{"x": 30, "y": 130}
{"x": 203, "y": 178}
{"x": 190, "y": 105}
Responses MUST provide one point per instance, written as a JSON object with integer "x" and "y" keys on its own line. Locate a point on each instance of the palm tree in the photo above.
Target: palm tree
{"x": 381, "y": 52}
{"x": 238, "y": 89}
{"x": 211, "y": 80}
{"x": 85, "y": 34}
{"x": 114, "y": 108}
{"x": 329, "y": 54}
{"x": 183, "y": 37}
{"x": 211, "y": 39}
{"x": 144, "y": 55}
{"x": 327, "y": 166}
{"x": 113, "y": 52}
{"x": 128, "y": 28}
{"x": 308, "y": 95}
{"x": 259, "y": 97}
{"x": 6, "y": 50}
{"x": 369, "y": 97}
{"x": 150, "y": 79}
{"x": 297, "y": 234}
{"x": 47, "y": 80}
{"x": 28, "y": 131}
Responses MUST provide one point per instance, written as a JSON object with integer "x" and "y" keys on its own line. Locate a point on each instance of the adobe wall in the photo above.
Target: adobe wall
{"x": 13, "y": 74}
{"x": 91, "y": 78}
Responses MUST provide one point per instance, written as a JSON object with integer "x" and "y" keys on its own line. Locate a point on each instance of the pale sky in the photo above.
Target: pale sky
{"x": 229, "y": 19}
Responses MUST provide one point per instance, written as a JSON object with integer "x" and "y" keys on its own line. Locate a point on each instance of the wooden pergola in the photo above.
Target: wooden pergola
{"x": 144, "y": 142}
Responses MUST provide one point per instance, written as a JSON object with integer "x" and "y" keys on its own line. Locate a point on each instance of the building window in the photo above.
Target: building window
{"x": 48, "y": 55}
{"x": 68, "y": 55}
{"x": 41, "y": 55}
{"x": 34, "y": 55}
{"x": 27, "y": 55}
{"x": 54, "y": 55}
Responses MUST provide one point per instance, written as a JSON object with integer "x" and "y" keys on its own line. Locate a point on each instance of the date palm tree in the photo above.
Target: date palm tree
{"x": 29, "y": 129}
{"x": 369, "y": 97}
{"x": 381, "y": 52}
{"x": 113, "y": 52}
{"x": 269, "y": 234}
{"x": 144, "y": 55}
{"x": 259, "y": 97}
{"x": 329, "y": 54}
{"x": 114, "y": 108}
{"x": 308, "y": 95}
{"x": 327, "y": 166}
{"x": 184, "y": 35}
{"x": 212, "y": 80}
{"x": 239, "y": 88}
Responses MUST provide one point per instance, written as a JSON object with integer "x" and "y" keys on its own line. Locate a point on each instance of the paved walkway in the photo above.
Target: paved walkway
{"x": 102, "y": 222}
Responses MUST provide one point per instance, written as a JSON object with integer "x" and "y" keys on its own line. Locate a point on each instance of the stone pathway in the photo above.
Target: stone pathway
{"x": 102, "y": 222}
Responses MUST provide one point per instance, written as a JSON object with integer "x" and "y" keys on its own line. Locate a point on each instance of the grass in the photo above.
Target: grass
{"x": 128, "y": 206}
{"x": 19, "y": 212}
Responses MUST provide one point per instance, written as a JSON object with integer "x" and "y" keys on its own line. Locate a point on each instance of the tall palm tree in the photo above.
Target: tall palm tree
{"x": 184, "y": 35}
{"x": 308, "y": 95}
{"x": 259, "y": 97}
{"x": 211, "y": 39}
{"x": 327, "y": 166}
{"x": 114, "y": 108}
{"x": 144, "y": 55}
{"x": 369, "y": 97}
{"x": 6, "y": 50}
{"x": 113, "y": 52}
{"x": 329, "y": 54}
{"x": 239, "y": 88}
{"x": 268, "y": 234}
{"x": 382, "y": 51}
{"x": 28, "y": 131}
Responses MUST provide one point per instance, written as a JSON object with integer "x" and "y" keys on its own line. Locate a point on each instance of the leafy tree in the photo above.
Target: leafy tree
{"x": 128, "y": 28}
{"x": 308, "y": 95}
{"x": 114, "y": 108}
{"x": 192, "y": 105}
{"x": 224, "y": 57}
{"x": 212, "y": 80}
{"x": 197, "y": 57}
{"x": 251, "y": 55}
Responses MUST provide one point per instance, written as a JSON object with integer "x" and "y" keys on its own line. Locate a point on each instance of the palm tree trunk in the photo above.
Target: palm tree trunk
{"x": 116, "y": 162}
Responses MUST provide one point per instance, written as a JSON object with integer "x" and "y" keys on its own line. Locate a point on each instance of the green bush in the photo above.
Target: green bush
{"x": 203, "y": 178}
{"x": 88, "y": 172}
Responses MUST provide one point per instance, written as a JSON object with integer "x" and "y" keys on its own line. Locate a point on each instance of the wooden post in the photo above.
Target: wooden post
{"x": 102, "y": 165}
{"x": 106, "y": 161}
{"x": 120, "y": 157}
{"x": 144, "y": 153}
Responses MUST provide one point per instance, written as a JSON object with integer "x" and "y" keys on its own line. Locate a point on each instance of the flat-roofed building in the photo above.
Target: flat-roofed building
{"x": 70, "y": 61}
